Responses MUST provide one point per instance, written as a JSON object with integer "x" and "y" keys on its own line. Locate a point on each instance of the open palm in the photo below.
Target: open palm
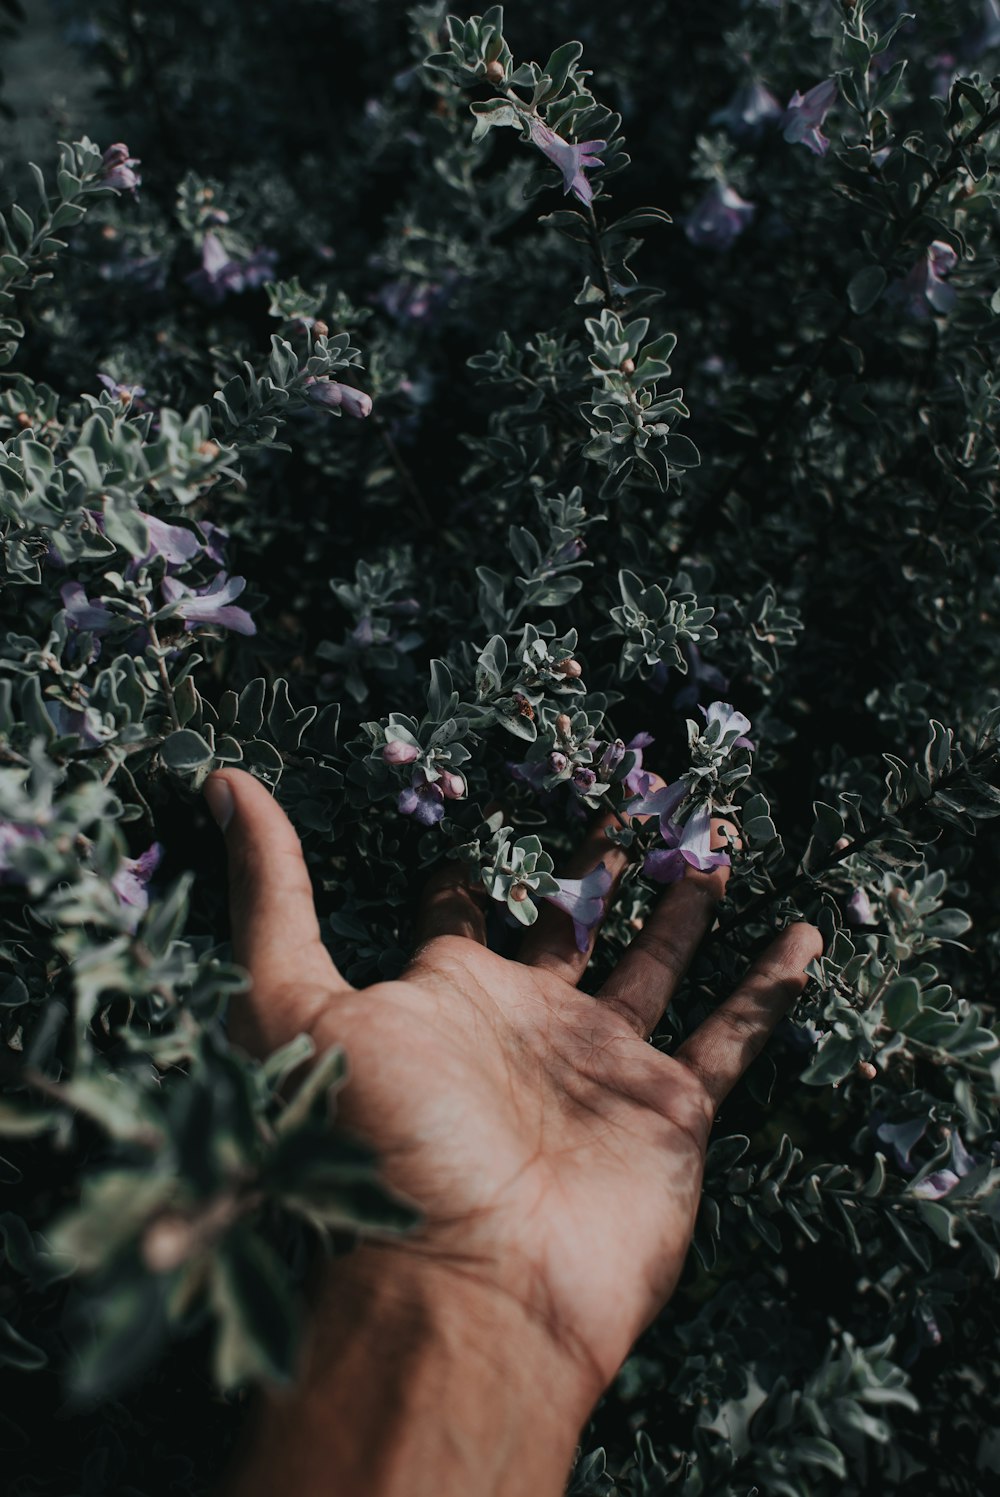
{"x": 556, "y": 1155}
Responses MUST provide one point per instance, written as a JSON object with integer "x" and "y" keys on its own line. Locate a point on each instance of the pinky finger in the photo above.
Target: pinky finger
{"x": 725, "y": 1044}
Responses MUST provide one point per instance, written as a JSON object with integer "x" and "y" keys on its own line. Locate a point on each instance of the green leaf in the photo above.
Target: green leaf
{"x": 865, "y": 288}
{"x": 185, "y": 751}
{"x": 258, "y": 1320}
{"x": 902, "y": 1002}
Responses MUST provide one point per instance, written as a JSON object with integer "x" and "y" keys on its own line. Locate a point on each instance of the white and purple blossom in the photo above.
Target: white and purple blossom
{"x": 858, "y": 910}
{"x": 926, "y": 288}
{"x": 900, "y": 1138}
{"x": 220, "y": 273}
{"x": 941, "y": 1182}
{"x": 210, "y": 605}
{"x": 689, "y": 846}
{"x": 335, "y": 396}
{"x": 81, "y": 612}
{"x": 571, "y": 159}
{"x": 118, "y": 168}
{"x": 173, "y": 544}
{"x": 718, "y": 218}
{"x": 583, "y": 899}
{"x": 131, "y": 880}
{"x": 802, "y": 120}
{"x": 752, "y": 106}
{"x": 423, "y": 800}
{"x": 127, "y": 394}
{"x": 729, "y": 721}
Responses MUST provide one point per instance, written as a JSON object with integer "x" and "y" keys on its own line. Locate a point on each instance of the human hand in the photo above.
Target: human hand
{"x": 557, "y": 1156}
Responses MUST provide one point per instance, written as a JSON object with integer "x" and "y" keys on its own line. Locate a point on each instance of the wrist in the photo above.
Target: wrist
{"x": 417, "y": 1378}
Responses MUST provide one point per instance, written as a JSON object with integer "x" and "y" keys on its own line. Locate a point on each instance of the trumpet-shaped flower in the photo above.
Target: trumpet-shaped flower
{"x": 571, "y": 159}
{"x": 583, "y": 899}
{"x": 210, "y": 605}
{"x": 719, "y": 217}
{"x": 805, "y": 114}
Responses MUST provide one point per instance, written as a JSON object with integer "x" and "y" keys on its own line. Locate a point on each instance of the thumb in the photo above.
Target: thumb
{"x": 275, "y": 932}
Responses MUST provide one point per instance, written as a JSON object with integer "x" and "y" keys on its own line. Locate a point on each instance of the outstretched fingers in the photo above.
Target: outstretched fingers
{"x": 725, "y": 1044}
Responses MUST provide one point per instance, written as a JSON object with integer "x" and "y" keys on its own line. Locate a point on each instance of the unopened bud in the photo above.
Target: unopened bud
{"x": 22, "y": 418}
{"x": 841, "y": 843}
{"x": 563, "y": 725}
{"x": 208, "y": 449}
{"x": 396, "y": 751}
{"x": 859, "y": 909}
{"x": 109, "y": 232}
{"x": 557, "y": 762}
{"x": 569, "y": 667}
{"x": 628, "y": 367}
{"x": 519, "y": 893}
{"x": 867, "y": 1070}
{"x": 320, "y": 329}
{"x": 494, "y": 71}
{"x": 452, "y": 785}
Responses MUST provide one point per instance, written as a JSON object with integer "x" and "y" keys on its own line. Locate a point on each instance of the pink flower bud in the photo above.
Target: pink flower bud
{"x": 867, "y": 1070}
{"x": 557, "y": 762}
{"x": 519, "y": 893}
{"x": 569, "y": 667}
{"x": 563, "y": 725}
{"x": 452, "y": 785}
{"x": 396, "y": 751}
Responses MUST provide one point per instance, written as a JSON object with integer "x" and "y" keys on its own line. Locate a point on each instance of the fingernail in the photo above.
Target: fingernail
{"x": 220, "y": 801}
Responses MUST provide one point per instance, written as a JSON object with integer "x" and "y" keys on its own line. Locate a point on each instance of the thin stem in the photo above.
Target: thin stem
{"x": 161, "y": 670}
{"x": 602, "y": 264}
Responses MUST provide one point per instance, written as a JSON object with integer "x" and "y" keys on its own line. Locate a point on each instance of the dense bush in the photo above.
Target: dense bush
{"x": 341, "y": 438}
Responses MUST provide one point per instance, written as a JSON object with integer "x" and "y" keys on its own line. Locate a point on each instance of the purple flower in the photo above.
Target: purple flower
{"x": 687, "y": 846}
{"x": 584, "y": 780}
{"x": 858, "y": 910}
{"x": 901, "y": 1139}
{"x": 335, "y": 396}
{"x": 583, "y": 900}
{"x": 77, "y": 722}
{"x": 396, "y": 751}
{"x": 637, "y": 777}
{"x": 940, "y": 1182}
{"x": 220, "y": 273}
{"x": 129, "y": 883}
{"x": 423, "y": 800}
{"x": 718, "y": 218}
{"x": 925, "y": 288}
{"x": 729, "y": 720}
{"x": 117, "y": 169}
{"x": 749, "y": 110}
{"x": 170, "y": 543}
{"x": 210, "y": 605}
{"x": 215, "y": 538}
{"x": 805, "y": 114}
{"x": 933, "y": 1187}
{"x": 127, "y": 394}
{"x": 571, "y": 160}
{"x": 81, "y": 613}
